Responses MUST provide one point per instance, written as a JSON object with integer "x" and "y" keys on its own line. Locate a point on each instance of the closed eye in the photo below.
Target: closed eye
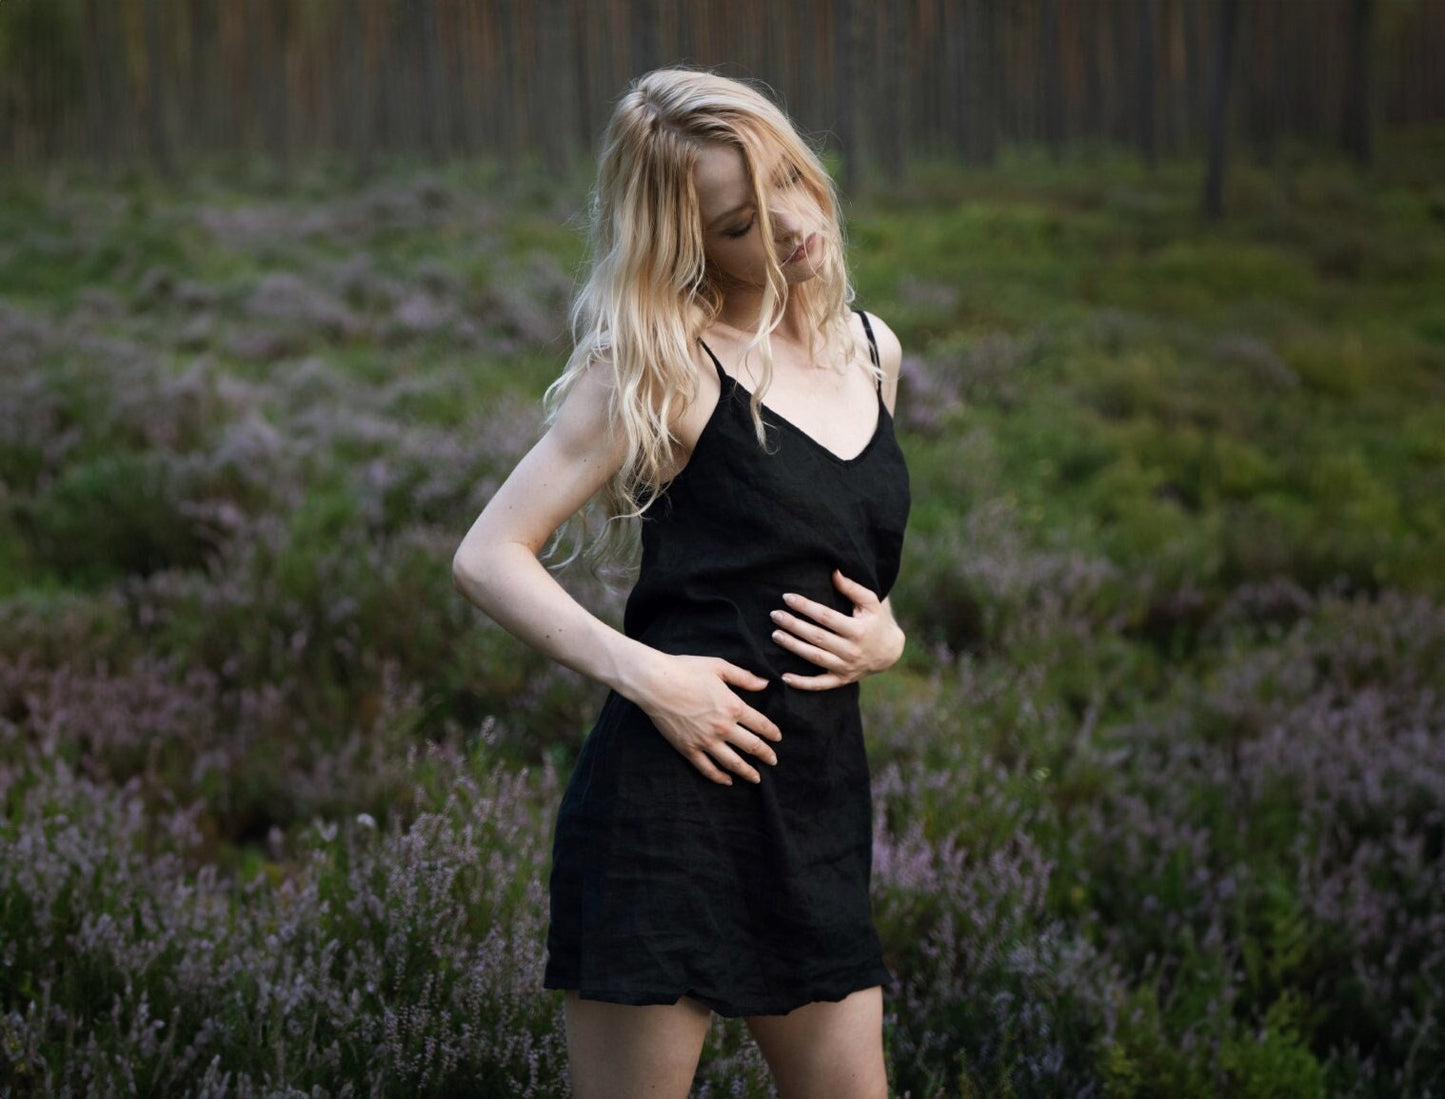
{"x": 791, "y": 177}
{"x": 741, "y": 231}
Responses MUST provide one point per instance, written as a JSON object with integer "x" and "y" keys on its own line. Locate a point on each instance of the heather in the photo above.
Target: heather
{"x": 1160, "y": 785}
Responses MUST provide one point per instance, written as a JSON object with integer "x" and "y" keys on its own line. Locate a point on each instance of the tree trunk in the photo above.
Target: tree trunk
{"x": 1266, "y": 70}
{"x": 583, "y": 107}
{"x": 980, "y": 81}
{"x": 507, "y": 107}
{"x": 359, "y": 127}
{"x": 98, "y": 46}
{"x": 1088, "y": 44}
{"x": 1217, "y": 120}
{"x": 278, "y": 97}
{"x": 1148, "y": 145}
{"x": 434, "y": 101}
{"x": 845, "y": 73}
{"x": 644, "y": 36}
{"x": 558, "y": 94}
{"x": 955, "y": 73}
{"x": 1051, "y": 65}
{"x": 157, "y": 137}
{"x": 1359, "y": 137}
{"x": 202, "y": 128}
{"x": 892, "y": 145}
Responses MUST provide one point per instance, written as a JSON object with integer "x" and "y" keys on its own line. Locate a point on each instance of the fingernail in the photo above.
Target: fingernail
{"x": 776, "y": 616}
{"x": 789, "y": 597}
{"x": 777, "y": 635}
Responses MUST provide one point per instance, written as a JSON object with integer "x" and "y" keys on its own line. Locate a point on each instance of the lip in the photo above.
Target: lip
{"x": 803, "y": 248}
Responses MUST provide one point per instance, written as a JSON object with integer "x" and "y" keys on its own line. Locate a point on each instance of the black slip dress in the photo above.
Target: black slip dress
{"x": 750, "y": 898}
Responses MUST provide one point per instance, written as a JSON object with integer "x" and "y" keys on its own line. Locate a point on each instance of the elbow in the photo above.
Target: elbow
{"x": 489, "y": 571}
{"x": 467, "y": 575}
{"x": 483, "y": 571}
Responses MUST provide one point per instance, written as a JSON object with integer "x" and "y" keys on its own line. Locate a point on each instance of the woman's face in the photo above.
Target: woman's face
{"x": 731, "y": 230}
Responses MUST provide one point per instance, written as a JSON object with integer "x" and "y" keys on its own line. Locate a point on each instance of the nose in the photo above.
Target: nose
{"x": 786, "y": 222}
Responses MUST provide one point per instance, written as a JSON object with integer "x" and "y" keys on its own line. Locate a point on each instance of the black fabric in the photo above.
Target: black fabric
{"x": 751, "y": 898}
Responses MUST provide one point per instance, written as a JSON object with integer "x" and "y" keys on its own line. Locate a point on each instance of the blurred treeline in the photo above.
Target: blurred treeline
{"x": 128, "y": 82}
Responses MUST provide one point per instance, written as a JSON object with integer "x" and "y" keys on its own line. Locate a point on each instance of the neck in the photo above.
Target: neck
{"x": 742, "y": 308}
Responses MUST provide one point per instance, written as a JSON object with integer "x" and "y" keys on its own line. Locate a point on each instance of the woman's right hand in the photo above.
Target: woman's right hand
{"x": 691, "y": 701}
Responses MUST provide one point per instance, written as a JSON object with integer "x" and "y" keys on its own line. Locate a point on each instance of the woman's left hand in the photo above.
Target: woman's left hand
{"x": 846, "y": 647}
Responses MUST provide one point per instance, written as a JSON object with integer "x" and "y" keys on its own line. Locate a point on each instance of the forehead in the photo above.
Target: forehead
{"x": 721, "y": 178}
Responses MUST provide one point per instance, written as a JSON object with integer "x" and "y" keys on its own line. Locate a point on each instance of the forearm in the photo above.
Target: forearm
{"x": 512, "y": 587}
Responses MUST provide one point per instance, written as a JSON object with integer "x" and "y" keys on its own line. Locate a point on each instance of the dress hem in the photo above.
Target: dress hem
{"x": 830, "y": 993}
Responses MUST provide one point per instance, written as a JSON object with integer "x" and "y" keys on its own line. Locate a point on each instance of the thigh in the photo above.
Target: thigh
{"x": 827, "y": 1050}
{"x": 616, "y": 1051}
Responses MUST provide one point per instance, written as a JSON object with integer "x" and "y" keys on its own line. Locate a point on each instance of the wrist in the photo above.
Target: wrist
{"x": 896, "y": 642}
{"x": 635, "y": 672}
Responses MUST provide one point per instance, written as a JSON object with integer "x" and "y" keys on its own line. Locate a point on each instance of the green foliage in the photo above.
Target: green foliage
{"x": 119, "y": 515}
{"x": 1279, "y": 1062}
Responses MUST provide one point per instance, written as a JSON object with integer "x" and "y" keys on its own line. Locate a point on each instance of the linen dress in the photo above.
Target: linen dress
{"x": 752, "y": 898}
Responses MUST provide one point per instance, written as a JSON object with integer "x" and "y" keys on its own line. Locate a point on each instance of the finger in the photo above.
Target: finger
{"x": 703, "y": 762}
{"x": 808, "y": 631}
{"x": 856, "y": 592}
{"x": 824, "y": 615}
{"x": 813, "y": 654}
{"x": 740, "y": 677}
{"x": 825, "y": 682}
{"x": 755, "y": 745}
{"x": 758, "y": 723}
{"x": 733, "y": 762}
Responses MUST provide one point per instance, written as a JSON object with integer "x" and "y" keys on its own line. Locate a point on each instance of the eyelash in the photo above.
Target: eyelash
{"x": 794, "y": 178}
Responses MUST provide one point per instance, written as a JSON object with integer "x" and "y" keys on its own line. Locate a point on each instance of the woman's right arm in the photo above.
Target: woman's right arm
{"x": 688, "y": 698}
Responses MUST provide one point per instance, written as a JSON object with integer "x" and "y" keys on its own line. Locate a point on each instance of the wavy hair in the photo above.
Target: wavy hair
{"x": 649, "y": 295}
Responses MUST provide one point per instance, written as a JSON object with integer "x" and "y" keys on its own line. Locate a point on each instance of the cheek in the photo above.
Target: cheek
{"x": 737, "y": 257}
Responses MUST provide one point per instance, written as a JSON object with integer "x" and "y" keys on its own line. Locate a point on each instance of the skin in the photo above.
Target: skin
{"x": 832, "y": 1049}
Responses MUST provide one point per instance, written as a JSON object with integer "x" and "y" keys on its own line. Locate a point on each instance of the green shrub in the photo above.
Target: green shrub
{"x": 123, "y": 514}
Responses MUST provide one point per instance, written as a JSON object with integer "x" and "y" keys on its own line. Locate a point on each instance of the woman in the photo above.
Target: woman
{"x": 722, "y": 396}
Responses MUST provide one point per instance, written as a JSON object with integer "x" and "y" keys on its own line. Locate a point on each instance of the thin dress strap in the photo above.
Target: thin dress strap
{"x": 872, "y": 352}
{"x": 722, "y": 374}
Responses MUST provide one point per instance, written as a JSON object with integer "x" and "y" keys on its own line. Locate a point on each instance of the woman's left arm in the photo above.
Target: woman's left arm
{"x": 846, "y": 647}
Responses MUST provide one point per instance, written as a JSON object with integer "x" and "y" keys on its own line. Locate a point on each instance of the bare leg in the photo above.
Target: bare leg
{"x": 616, "y": 1051}
{"x": 827, "y": 1050}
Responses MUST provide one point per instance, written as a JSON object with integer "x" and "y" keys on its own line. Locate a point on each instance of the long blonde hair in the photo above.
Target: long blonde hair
{"x": 649, "y": 295}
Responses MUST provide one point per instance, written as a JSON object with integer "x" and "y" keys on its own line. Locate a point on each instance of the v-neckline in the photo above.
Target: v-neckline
{"x": 783, "y": 421}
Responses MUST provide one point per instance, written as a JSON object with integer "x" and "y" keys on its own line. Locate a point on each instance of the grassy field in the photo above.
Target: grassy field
{"x": 1160, "y": 784}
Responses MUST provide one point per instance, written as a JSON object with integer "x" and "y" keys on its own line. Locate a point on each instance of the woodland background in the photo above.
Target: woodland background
{"x": 122, "y": 81}
{"x": 1160, "y": 782}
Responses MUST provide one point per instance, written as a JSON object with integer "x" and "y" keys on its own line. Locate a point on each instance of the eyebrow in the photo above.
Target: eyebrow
{"x": 785, "y": 167}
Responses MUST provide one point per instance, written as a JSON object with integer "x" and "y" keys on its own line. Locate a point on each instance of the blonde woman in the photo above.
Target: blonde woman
{"x": 713, "y": 847}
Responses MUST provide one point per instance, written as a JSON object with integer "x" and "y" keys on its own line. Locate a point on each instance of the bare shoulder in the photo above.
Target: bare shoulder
{"x": 890, "y": 354}
{"x": 585, "y": 420}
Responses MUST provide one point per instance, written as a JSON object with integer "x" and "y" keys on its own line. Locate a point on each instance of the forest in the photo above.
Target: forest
{"x": 159, "y": 82}
{"x": 1159, "y": 784}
